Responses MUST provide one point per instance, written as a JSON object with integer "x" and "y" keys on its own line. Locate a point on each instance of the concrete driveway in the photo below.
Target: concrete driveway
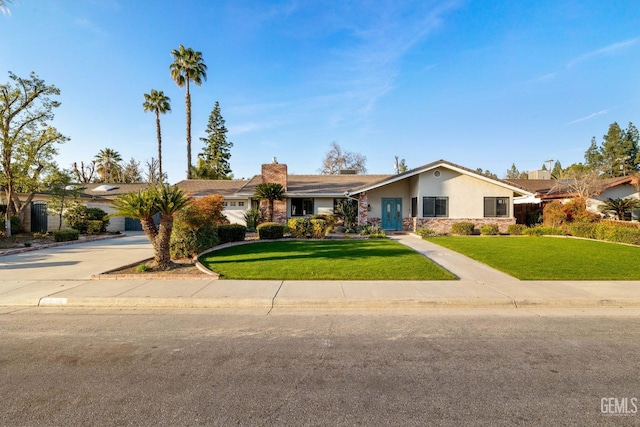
{"x": 80, "y": 260}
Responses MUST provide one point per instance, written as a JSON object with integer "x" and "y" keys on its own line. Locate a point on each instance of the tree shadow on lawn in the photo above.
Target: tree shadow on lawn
{"x": 337, "y": 252}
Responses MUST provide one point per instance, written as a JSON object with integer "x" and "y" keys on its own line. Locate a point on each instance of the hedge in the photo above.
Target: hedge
{"x": 270, "y": 231}
{"x": 231, "y": 233}
{"x": 66, "y": 235}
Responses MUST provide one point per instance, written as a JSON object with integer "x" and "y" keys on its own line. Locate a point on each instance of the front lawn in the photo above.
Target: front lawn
{"x": 323, "y": 260}
{"x": 549, "y": 258}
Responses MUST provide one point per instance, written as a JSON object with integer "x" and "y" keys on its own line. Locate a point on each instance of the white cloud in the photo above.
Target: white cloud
{"x": 607, "y": 50}
{"x": 589, "y": 117}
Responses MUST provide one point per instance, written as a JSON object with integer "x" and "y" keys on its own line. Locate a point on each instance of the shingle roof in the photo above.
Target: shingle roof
{"x": 206, "y": 187}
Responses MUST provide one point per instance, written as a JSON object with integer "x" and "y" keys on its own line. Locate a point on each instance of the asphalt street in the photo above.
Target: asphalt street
{"x": 67, "y": 366}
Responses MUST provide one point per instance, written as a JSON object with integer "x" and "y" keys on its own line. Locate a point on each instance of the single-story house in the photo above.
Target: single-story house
{"x": 95, "y": 195}
{"x": 434, "y": 195}
{"x": 548, "y": 190}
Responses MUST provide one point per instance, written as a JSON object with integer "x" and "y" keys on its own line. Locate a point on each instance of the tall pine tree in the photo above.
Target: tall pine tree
{"x": 213, "y": 161}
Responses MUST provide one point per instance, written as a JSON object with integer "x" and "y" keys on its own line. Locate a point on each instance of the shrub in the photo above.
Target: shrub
{"x": 348, "y": 210}
{"x": 299, "y": 228}
{"x": 489, "y": 230}
{"x": 16, "y": 225}
{"x": 516, "y": 229}
{"x": 373, "y": 231}
{"x": 205, "y": 211}
{"x": 318, "y": 228}
{"x": 462, "y": 228}
{"x": 142, "y": 268}
{"x": 252, "y": 217}
{"x": 583, "y": 229}
{"x": 270, "y": 231}
{"x": 231, "y": 233}
{"x": 330, "y": 219}
{"x": 94, "y": 226}
{"x": 541, "y": 230}
{"x": 65, "y": 235}
{"x": 78, "y": 218}
{"x": 187, "y": 242}
{"x": 341, "y": 229}
{"x": 616, "y": 232}
{"x": 425, "y": 232}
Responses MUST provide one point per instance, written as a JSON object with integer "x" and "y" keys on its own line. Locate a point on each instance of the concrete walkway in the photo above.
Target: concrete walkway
{"x": 61, "y": 277}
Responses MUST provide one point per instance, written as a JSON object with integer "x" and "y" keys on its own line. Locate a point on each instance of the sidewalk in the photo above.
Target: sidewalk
{"x": 37, "y": 279}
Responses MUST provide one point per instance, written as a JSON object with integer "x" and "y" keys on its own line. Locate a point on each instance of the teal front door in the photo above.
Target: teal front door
{"x": 392, "y": 214}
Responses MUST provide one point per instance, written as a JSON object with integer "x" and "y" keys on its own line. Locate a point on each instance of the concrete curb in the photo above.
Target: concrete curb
{"x": 308, "y": 303}
{"x": 57, "y": 244}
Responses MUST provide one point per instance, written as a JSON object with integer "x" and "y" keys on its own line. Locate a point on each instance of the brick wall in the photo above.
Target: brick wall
{"x": 275, "y": 172}
{"x": 443, "y": 225}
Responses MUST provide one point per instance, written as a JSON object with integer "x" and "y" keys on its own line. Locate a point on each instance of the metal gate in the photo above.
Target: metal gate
{"x": 39, "y": 218}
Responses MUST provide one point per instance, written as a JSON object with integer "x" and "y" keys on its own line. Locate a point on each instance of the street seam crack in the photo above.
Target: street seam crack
{"x": 273, "y": 300}
{"x": 513, "y": 300}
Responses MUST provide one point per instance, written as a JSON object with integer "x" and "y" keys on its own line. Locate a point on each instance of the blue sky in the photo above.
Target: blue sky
{"x": 480, "y": 83}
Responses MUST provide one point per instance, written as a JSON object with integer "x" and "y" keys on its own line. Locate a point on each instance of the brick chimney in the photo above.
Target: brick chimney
{"x": 275, "y": 172}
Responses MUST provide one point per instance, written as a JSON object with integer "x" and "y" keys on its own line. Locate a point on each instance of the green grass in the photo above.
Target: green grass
{"x": 323, "y": 260}
{"x": 549, "y": 258}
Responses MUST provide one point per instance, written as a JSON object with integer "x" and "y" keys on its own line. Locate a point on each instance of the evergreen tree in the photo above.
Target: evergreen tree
{"x": 556, "y": 172}
{"x": 513, "y": 172}
{"x": 619, "y": 153}
{"x": 213, "y": 161}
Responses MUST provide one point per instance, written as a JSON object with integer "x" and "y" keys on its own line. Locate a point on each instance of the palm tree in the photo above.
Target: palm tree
{"x": 157, "y": 102}
{"x": 269, "y": 191}
{"x": 143, "y": 205}
{"x": 108, "y": 164}
{"x": 620, "y": 207}
{"x": 4, "y": 7}
{"x": 188, "y": 66}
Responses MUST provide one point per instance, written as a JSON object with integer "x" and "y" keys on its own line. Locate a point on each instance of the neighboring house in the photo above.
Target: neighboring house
{"x": 435, "y": 195}
{"x": 38, "y": 218}
{"x": 548, "y": 190}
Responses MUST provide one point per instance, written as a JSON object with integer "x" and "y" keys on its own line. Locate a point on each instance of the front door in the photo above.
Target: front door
{"x": 392, "y": 214}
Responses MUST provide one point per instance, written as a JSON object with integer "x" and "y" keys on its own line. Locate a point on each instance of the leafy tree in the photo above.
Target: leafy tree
{"x": 109, "y": 165}
{"x": 269, "y": 191}
{"x": 79, "y": 216}
{"x": 27, "y": 141}
{"x": 188, "y": 66}
{"x": 64, "y": 194}
{"x": 131, "y": 172}
{"x": 400, "y": 166}
{"x": 513, "y": 172}
{"x": 620, "y": 207}
{"x": 213, "y": 162}
{"x": 143, "y": 205}
{"x": 337, "y": 159}
{"x": 157, "y": 102}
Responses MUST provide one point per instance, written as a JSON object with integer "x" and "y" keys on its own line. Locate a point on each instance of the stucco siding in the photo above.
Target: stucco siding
{"x": 395, "y": 190}
{"x": 465, "y": 193}
{"x": 323, "y": 205}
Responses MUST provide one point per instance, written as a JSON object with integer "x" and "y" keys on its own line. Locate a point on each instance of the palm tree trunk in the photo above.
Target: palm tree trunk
{"x": 270, "y": 211}
{"x": 162, "y": 247}
{"x": 188, "y": 103}
{"x": 159, "y": 143}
